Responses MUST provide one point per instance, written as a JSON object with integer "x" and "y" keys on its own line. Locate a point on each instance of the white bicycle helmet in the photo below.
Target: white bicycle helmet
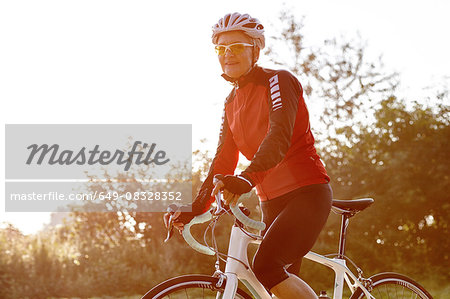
{"x": 234, "y": 22}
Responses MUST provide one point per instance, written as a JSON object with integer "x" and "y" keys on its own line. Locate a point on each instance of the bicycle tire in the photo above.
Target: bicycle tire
{"x": 190, "y": 286}
{"x": 393, "y": 285}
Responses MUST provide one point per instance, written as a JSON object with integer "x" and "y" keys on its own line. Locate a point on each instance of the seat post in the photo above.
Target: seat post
{"x": 344, "y": 223}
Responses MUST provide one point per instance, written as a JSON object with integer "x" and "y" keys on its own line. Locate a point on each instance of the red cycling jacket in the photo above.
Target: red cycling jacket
{"x": 266, "y": 119}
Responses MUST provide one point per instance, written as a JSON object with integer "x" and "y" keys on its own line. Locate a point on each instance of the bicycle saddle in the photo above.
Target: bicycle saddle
{"x": 352, "y": 205}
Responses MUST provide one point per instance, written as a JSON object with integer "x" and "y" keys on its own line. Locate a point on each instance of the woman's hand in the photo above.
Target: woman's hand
{"x": 177, "y": 224}
{"x": 178, "y": 216}
{"x": 230, "y": 199}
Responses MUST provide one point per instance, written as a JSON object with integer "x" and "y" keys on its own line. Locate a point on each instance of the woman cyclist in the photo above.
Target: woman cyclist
{"x": 266, "y": 119}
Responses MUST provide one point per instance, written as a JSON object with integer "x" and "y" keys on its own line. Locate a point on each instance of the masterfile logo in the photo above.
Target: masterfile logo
{"x": 54, "y": 155}
{"x": 99, "y": 167}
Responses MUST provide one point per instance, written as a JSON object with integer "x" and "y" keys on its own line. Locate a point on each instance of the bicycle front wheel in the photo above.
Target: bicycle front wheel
{"x": 393, "y": 285}
{"x": 191, "y": 286}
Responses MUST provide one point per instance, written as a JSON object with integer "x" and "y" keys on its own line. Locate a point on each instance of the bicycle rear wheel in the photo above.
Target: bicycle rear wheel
{"x": 191, "y": 286}
{"x": 393, "y": 285}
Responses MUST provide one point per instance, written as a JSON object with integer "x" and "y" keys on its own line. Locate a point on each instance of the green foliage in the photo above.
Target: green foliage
{"x": 402, "y": 162}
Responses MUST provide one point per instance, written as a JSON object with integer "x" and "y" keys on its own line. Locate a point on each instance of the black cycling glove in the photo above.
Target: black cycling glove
{"x": 196, "y": 208}
{"x": 237, "y": 184}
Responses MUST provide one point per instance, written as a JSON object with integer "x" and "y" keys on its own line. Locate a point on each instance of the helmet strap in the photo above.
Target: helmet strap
{"x": 254, "y": 55}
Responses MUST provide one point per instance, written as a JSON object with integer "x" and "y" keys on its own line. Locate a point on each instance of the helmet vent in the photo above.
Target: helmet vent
{"x": 227, "y": 19}
{"x": 249, "y": 25}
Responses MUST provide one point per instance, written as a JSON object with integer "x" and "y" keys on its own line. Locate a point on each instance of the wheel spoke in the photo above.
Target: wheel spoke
{"x": 386, "y": 285}
{"x": 381, "y": 296}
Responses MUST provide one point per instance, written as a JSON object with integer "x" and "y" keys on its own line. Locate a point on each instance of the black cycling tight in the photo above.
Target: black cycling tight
{"x": 294, "y": 221}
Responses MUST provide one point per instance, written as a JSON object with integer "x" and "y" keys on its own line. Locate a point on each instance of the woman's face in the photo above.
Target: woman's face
{"x": 235, "y": 65}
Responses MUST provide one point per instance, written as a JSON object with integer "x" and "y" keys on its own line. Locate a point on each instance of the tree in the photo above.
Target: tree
{"x": 338, "y": 74}
{"x": 402, "y": 161}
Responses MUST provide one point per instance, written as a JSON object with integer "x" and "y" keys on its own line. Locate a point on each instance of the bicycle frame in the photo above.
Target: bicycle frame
{"x": 234, "y": 270}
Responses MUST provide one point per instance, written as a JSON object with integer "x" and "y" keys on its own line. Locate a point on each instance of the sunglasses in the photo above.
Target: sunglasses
{"x": 236, "y": 48}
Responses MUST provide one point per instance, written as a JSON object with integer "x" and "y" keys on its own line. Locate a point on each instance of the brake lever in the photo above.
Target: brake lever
{"x": 170, "y": 209}
{"x": 169, "y": 229}
{"x": 221, "y": 206}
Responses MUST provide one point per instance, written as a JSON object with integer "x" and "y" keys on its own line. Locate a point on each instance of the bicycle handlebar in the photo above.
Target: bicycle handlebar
{"x": 258, "y": 225}
{"x": 208, "y": 216}
{"x": 190, "y": 239}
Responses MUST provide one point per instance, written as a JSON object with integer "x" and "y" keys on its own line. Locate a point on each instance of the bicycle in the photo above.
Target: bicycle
{"x": 225, "y": 284}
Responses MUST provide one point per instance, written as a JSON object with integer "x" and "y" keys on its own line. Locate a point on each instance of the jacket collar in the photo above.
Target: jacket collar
{"x": 242, "y": 80}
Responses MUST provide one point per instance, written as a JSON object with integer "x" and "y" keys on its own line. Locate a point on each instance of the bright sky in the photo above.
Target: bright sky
{"x": 98, "y": 61}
